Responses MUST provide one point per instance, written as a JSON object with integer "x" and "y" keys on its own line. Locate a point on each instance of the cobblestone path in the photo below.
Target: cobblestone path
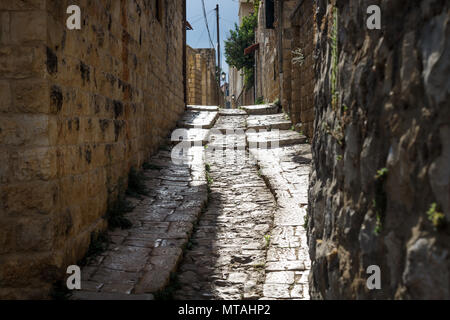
{"x": 228, "y": 251}
{"x": 250, "y": 243}
{"x": 228, "y": 225}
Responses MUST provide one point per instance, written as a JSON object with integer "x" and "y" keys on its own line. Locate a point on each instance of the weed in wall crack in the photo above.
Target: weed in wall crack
{"x": 436, "y": 217}
{"x": 379, "y": 203}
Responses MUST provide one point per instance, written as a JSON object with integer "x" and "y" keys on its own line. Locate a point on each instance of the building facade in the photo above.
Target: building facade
{"x": 284, "y": 63}
{"x": 202, "y": 85}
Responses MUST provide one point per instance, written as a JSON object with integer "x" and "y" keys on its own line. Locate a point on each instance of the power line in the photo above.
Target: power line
{"x": 206, "y": 22}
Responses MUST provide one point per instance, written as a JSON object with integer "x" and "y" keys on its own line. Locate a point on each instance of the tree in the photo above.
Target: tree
{"x": 241, "y": 38}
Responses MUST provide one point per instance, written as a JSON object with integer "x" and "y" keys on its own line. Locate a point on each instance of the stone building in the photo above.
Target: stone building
{"x": 78, "y": 109}
{"x": 284, "y": 43}
{"x": 380, "y": 183}
{"x": 202, "y": 86}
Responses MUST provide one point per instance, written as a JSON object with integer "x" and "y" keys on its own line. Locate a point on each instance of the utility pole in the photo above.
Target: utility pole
{"x": 219, "y": 70}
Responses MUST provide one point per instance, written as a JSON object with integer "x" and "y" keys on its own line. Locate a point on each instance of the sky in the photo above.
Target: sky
{"x": 198, "y": 38}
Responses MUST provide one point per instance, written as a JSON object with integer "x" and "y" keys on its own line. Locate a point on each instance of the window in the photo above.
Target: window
{"x": 270, "y": 10}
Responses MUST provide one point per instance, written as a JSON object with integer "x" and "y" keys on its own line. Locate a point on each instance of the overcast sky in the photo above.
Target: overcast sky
{"x": 198, "y": 38}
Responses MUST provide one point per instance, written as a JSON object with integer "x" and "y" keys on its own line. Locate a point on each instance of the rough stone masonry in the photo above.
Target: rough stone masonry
{"x": 78, "y": 108}
{"x": 381, "y": 161}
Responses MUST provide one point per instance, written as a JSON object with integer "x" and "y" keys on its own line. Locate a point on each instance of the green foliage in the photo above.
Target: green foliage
{"x": 209, "y": 179}
{"x": 380, "y": 201}
{"x": 306, "y": 222}
{"x": 382, "y": 173}
{"x": 267, "y": 238}
{"x": 436, "y": 217}
{"x": 260, "y": 100}
{"x": 242, "y": 37}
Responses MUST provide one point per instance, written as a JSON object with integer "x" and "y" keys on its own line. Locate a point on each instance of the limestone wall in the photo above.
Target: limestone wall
{"x": 201, "y": 78}
{"x": 77, "y": 110}
{"x": 267, "y": 73}
{"x": 381, "y": 152}
{"x": 291, "y": 82}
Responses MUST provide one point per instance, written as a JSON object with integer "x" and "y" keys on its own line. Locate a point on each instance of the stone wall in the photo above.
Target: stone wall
{"x": 267, "y": 72}
{"x": 381, "y": 151}
{"x": 302, "y": 73}
{"x": 77, "y": 110}
{"x": 278, "y": 77}
{"x": 201, "y": 78}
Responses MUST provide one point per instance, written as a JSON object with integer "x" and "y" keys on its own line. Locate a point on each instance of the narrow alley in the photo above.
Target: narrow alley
{"x": 230, "y": 226}
{"x": 224, "y": 150}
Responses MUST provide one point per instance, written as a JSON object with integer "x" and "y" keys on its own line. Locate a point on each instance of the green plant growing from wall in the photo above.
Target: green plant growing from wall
{"x": 306, "y": 222}
{"x": 267, "y": 238}
{"x": 334, "y": 59}
{"x": 379, "y": 203}
{"x": 436, "y": 217}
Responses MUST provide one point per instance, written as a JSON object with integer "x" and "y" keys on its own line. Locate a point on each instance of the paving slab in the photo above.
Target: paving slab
{"x": 260, "y": 109}
{"x": 192, "y": 137}
{"x": 201, "y": 108}
{"x": 286, "y": 169}
{"x": 228, "y": 246}
{"x": 198, "y": 119}
{"x": 249, "y": 241}
{"x": 140, "y": 260}
{"x": 230, "y": 124}
{"x": 232, "y": 112}
{"x": 274, "y": 138}
{"x": 266, "y": 122}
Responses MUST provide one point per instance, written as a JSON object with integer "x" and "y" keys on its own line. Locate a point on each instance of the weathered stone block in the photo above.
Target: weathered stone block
{"x": 28, "y": 26}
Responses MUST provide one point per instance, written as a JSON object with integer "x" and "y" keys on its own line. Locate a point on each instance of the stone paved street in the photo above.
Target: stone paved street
{"x": 228, "y": 251}
{"x": 229, "y": 225}
{"x": 250, "y": 242}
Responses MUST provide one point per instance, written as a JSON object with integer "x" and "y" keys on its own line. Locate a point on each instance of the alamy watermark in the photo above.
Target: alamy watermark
{"x": 373, "y": 22}
{"x": 374, "y": 280}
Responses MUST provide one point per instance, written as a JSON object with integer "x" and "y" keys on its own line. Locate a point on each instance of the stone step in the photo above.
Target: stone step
{"x": 275, "y": 138}
{"x": 232, "y": 112}
{"x": 202, "y": 108}
{"x": 261, "y": 109}
{"x": 194, "y": 136}
{"x": 272, "y": 121}
{"x": 230, "y": 124}
{"x": 198, "y": 119}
